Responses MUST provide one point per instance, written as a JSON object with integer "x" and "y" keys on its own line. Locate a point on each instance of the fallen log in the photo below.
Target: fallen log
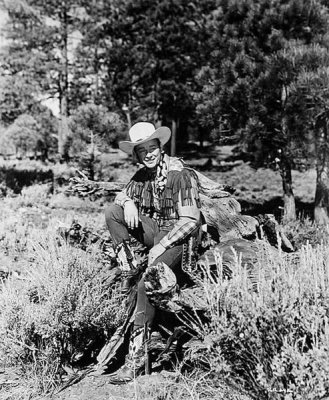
{"x": 221, "y": 211}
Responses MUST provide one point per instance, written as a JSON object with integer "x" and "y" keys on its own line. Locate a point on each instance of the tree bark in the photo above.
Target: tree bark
{"x": 64, "y": 86}
{"x": 173, "y": 138}
{"x": 321, "y": 198}
{"x": 321, "y": 203}
{"x": 289, "y": 206}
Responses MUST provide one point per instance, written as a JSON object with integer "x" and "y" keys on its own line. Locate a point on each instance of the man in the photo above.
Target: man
{"x": 160, "y": 207}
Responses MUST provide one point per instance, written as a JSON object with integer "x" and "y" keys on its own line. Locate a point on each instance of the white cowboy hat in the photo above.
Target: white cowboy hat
{"x": 143, "y": 132}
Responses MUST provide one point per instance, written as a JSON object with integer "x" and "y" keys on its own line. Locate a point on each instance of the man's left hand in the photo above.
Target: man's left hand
{"x": 155, "y": 252}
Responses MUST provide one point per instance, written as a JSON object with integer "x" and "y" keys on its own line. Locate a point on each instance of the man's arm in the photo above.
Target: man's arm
{"x": 189, "y": 219}
{"x": 121, "y": 198}
{"x": 129, "y": 208}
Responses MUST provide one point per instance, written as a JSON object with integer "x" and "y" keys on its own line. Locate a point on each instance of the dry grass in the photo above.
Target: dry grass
{"x": 274, "y": 342}
{"x": 257, "y": 186}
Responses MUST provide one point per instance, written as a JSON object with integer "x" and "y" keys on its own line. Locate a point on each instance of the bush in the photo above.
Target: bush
{"x": 16, "y": 176}
{"x": 62, "y": 312}
{"x": 275, "y": 341}
{"x": 304, "y": 231}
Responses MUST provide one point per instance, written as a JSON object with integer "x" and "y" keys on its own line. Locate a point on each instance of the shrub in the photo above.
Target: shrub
{"x": 62, "y": 312}
{"x": 275, "y": 341}
{"x": 20, "y": 175}
{"x": 304, "y": 231}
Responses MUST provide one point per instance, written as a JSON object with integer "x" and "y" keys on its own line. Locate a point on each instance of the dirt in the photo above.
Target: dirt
{"x": 165, "y": 385}
{"x": 159, "y": 386}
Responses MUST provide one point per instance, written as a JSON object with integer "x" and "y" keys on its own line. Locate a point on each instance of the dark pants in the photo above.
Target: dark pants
{"x": 149, "y": 234}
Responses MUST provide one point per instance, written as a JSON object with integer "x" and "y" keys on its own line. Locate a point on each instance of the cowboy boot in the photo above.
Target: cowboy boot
{"x": 135, "y": 360}
{"x": 127, "y": 264}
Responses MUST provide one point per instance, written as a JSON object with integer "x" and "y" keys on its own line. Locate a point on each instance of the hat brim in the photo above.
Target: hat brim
{"x": 163, "y": 134}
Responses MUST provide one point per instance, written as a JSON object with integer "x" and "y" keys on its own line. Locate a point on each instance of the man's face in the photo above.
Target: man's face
{"x": 149, "y": 153}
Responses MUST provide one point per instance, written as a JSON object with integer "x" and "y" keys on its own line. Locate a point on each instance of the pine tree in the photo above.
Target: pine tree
{"x": 246, "y": 92}
{"x": 38, "y": 51}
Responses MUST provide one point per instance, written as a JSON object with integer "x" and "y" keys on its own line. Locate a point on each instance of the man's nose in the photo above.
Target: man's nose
{"x": 149, "y": 153}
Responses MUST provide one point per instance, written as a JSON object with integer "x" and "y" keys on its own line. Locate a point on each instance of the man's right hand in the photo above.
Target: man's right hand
{"x": 131, "y": 214}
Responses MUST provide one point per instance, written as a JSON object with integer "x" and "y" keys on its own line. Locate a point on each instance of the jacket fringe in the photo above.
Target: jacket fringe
{"x": 181, "y": 185}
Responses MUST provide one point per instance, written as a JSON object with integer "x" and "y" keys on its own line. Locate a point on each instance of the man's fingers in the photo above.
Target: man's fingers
{"x": 132, "y": 221}
{"x": 128, "y": 222}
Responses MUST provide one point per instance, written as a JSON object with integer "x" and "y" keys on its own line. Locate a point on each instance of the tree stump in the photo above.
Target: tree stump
{"x": 251, "y": 238}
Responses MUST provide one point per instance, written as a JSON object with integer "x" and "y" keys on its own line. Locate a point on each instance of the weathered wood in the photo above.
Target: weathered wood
{"x": 83, "y": 186}
{"x": 219, "y": 208}
{"x": 224, "y": 214}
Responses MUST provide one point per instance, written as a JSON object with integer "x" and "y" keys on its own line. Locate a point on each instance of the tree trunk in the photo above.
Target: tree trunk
{"x": 173, "y": 138}
{"x": 321, "y": 202}
{"x": 289, "y": 207}
{"x": 64, "y": 85}
{"x": 321, "y": 197}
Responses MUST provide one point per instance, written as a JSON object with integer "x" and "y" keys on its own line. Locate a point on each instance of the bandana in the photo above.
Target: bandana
{"x": 161, "y": 175}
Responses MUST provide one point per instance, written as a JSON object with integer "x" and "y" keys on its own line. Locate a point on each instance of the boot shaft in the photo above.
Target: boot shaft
{"x": 126, "y": 259}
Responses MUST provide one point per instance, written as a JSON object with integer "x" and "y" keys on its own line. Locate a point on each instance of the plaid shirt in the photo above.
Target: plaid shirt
{"x": 182, "y": 229}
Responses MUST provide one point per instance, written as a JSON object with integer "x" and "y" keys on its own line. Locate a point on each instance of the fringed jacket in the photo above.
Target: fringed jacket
{"x": 170, "y": 196}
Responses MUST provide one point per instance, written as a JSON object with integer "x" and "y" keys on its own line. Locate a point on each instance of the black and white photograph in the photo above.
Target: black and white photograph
{"x": 164, "y": 200}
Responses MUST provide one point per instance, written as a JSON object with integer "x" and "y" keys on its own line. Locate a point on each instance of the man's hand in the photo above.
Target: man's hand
{"x": 155, "y": 252}
{"x": 131, "y": 214}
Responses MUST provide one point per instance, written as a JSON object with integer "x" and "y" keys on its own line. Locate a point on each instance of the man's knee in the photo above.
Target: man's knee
{"x": 115, "y": 213}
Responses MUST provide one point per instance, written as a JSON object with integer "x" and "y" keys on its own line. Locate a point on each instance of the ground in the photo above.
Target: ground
{"x": 160, "y": 386}
{"x": 252, "y": 186}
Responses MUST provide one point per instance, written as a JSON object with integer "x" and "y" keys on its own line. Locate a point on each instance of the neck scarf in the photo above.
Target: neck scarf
{"x": 161, "y": 177}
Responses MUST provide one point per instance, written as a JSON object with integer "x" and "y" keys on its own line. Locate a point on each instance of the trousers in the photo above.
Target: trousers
{"x": 149, "y": 234}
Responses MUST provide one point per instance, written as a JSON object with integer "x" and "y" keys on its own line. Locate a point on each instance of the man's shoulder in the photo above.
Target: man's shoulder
{"x": 183, "y": 177}
{"x": 175, "y": 164}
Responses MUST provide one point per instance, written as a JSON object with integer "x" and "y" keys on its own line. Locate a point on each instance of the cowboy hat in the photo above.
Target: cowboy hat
{"x": 143, "y": 132}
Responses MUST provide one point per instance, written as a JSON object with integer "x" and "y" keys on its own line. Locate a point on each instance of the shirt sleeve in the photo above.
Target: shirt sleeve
{"x": 189, "y": 219}
{"x": 121, "y": 198}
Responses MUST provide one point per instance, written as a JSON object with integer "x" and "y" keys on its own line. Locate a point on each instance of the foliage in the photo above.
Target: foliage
{"x": 246, "y": 86}
{"x": 306, "y": 231}
{"x": 94, "y": 125}
{"x": 23, "y": 134}
{"x": 17, "y": 175}
{"x": 38, "y": 51}
{"x": 273, "y": 340}
{"x": 235, "y": 67}
{"x": 267, "y": 340}
{"x": 138, "y": 56}
{"x": 57, "y": 312}
{"x": 16, "y": 97}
